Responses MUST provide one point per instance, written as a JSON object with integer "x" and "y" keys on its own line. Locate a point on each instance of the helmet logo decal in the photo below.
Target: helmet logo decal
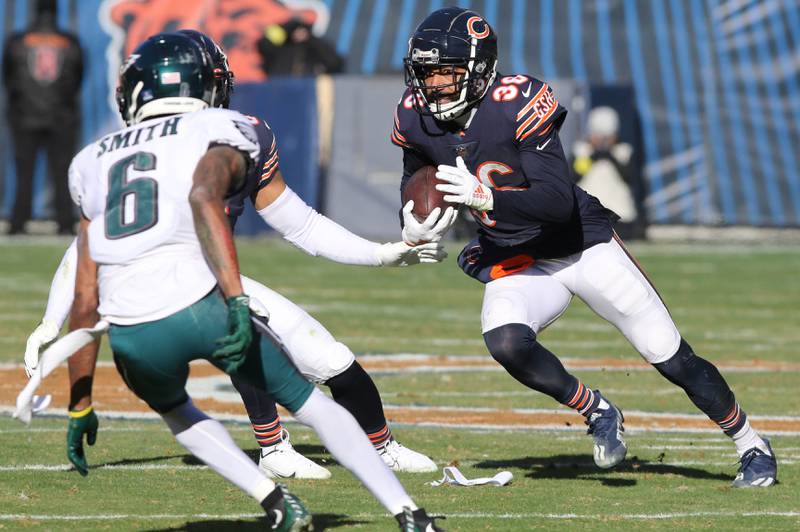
{"x": 170, "y": 78}
{"x": 475, "y": 33}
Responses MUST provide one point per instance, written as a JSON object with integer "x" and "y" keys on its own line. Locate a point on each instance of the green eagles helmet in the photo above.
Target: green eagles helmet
{"x": 167, "y": 74}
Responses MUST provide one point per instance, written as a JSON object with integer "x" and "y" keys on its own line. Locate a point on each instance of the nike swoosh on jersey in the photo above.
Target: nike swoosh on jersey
{"x": 527, "y": 92}
{"x": 543, "y": 145}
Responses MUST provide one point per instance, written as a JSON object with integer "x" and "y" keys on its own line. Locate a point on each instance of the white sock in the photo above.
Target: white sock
{"x": 208, "y": 440}
{"x": 747, "y": 438}
{"x": 346, "y": 441}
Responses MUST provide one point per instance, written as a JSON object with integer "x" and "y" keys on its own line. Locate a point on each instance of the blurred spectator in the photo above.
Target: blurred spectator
{"x": 604, "y": 168}
{"x": 290, "y": 49}
{"x": 42, "y": 72}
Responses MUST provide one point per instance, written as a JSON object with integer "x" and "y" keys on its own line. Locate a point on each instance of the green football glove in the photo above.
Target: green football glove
{"x": 80, "y": 423}
{"x": 233, "y": 348}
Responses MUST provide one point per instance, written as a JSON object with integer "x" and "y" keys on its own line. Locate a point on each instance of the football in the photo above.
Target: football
{"x": 421, "y": 188}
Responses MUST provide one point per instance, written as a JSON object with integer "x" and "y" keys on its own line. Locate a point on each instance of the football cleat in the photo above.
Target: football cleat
{"x": 401, "y": 458}
{"x": 282, "y": 461}
{"x": 286, "y": 513}
{"x": 416, "y": 521}
{"x": 606, "y": 428}
{"x": 758, "y": 469}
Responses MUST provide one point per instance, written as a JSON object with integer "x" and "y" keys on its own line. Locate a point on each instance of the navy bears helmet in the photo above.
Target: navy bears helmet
{"x": 166, "y": 74}
{"x": 455, "y": 37}
{"x": 222, "y": 71}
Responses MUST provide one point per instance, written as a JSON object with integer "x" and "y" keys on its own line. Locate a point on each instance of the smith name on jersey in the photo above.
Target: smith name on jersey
{"x": 511, "y": 144}
{"x": 133, "y": 186}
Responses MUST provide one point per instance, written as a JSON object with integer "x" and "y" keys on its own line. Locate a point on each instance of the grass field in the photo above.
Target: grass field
{"x": 736, "y": 305}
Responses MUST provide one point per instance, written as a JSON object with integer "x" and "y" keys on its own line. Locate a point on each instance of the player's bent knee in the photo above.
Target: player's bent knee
{"x": 510, "y": 344}
{"x": 183, "y": 417}
{"x": 335, "y": 359}
{"x": 655, "y": 337}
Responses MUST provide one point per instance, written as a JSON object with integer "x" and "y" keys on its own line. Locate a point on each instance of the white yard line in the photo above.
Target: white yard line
{"x": 471, "y": 515}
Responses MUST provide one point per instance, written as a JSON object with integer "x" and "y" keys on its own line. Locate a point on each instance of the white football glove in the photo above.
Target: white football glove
{"x": 38, "y": 341}
{"x": 432, "y": 229}
{"x": 403, "y": 254}
{"x": 463, "y": 187}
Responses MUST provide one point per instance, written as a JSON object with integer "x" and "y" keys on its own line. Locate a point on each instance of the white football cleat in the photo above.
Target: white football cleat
{"x": 282, "y": 461}
{"x": 401, "y": 458}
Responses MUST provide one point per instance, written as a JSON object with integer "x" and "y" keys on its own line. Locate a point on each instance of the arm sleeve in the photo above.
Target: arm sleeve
{"x": 315, "y": 234}
{"x": 549, "y": 198}
{"x": 62, "y": 288}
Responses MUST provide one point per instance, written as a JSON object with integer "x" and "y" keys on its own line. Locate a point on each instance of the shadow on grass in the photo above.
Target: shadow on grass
{"x": 316, "y": 453}
{"x": 321, "y": 522}
{"x": 185, "y": 458}
{"x": 582, "y": 467}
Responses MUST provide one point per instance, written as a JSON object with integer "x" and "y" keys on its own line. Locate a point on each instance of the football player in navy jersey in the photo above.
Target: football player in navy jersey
{"x": 313, "y": 349}
{"x": 541, "y": 239}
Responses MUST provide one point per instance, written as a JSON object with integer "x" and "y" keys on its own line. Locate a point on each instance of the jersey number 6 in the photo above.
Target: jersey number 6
{"x": 131, "y": 206}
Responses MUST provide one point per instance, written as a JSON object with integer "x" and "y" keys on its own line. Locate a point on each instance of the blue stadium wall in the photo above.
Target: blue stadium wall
{"x": 717, "y": 86}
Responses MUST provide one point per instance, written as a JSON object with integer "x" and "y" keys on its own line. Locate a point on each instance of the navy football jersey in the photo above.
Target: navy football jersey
{"x": 260, "y": 175}
{"x": 512, "y": 145}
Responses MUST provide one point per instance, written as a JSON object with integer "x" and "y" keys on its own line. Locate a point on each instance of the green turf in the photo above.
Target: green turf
{"x": 732, "y": 304}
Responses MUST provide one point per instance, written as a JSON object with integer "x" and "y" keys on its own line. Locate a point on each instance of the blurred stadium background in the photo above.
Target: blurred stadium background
{"x": 708, "y": 93}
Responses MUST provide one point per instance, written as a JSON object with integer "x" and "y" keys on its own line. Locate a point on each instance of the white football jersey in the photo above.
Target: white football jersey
{"x": 133, "y": 185}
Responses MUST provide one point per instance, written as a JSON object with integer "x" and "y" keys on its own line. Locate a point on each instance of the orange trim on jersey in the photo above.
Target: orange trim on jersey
{"x": 533, "y": 129}
{"x": 531, "y": 103}
{"x": 270, "y": 162}
{"x": 546, "y": 130}
{"x": 533, "y": 118}
{"x": 269, "y": 173}
{"x": 399, "y": 142}
{"x": 399, "y": 135}
{"x": 511, "y": 266}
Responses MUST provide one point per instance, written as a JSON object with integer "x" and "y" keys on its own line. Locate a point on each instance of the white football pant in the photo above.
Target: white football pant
{"x": 606, "y": 278}
{"x": 315, "y": 352}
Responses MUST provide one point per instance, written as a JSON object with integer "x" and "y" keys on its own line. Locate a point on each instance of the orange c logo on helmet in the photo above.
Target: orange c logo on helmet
{"x": 475, "y": 33}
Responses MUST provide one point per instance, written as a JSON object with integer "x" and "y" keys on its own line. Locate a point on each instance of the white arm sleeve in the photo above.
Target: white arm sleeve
{"x": 315, "y": 234}
{"x": 62, "y": 289}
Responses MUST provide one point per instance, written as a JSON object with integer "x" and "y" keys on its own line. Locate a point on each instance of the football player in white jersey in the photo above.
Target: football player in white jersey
{"x": 313, "y": 349}
{"x": 156, "y": 260}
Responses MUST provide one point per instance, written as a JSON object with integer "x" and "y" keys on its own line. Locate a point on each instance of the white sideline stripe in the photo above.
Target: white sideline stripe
{"x": 704, "y": 448}
{"x": 555, "y": 427}
{"x": 488, "y": 409}
{"x": 120, "y": 467}
{"x": 481, "y": 515}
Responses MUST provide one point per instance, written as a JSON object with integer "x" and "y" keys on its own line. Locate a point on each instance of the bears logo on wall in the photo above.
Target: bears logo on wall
{"x": 235, "y": 24}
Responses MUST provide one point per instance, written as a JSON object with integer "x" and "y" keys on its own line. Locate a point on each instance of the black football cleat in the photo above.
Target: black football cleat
{"x": 606, "y": 428}
{"x": 416, "y": 521}
{"x": 758, "y": 469}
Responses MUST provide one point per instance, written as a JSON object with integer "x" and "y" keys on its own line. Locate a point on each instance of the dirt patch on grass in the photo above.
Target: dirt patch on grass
{"x": 111, "y": 395}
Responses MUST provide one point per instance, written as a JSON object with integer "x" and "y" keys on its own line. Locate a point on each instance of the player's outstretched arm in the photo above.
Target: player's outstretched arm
{"x": 82, "y": 419}
{"x": 59, "y": 303}
{"x": 316, "y": 234}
